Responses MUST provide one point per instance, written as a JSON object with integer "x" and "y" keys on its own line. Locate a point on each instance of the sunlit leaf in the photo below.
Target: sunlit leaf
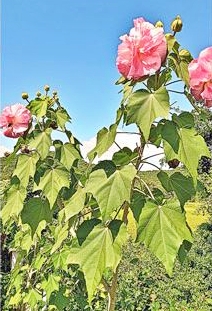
{"x": 111, "y": 192}
{"x": 98, "y": 252}
{"x": 51, "y": 284}
{"x": 144, "y": 107}
{"x": 52, "y": 181}
{"x": 41, "y": 142}
{"x": 105, "y": 139}
{"x": 68, "y": 155}
{"x": 15, "y": 200}
{"x": 26, "y": 167}
{"x": 163, "y": 228}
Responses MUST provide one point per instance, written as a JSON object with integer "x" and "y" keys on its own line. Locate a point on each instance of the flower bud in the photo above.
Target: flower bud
{"x": 46, "y": 88}
{"x": 54, "y": 93}
{"x": 7, "y": 154}
{"x": 173, "y": 163}
{"x": 38, "y": 94}
{"x": 25, "y": 95}
{"x": 159, "y": 24}
{"x": 24, "y": 149}
{"x": 177, "y": 24}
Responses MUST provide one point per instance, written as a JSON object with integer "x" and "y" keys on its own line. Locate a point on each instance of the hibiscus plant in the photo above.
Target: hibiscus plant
{"x": 72, "y": 214}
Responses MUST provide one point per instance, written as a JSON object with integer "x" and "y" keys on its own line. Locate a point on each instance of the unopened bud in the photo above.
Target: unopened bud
{"x": 177, "y": 24}
{"x": 38, "y": 94}
{"x": 25, "y": 95}
{"x": 7, "y": 154}
{"x": 46, "y": 88}
{"x": 173, "y": 163}
{"x": 24, "y": 149}
{"x": 159, "y": 24}
{"x": 185, "y": 54}
{"x": 54, "y": 93}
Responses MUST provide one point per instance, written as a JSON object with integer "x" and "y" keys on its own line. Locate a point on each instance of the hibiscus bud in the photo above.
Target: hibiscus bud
{"x": 177, "y": 24}
{"x": 53, "y": 125}
{"x": 46, "y": 88}
{"x": 173, "y": 163}
{"x": 25, "y": 95}
{"x": 7, "y": 154}
{"x": 38, "y": 94}
{"x": 24, "y": 149}
{"x": 159, "y": 24}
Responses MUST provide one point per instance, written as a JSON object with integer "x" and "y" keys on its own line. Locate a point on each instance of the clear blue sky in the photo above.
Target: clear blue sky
{"x": 71, "y": 45}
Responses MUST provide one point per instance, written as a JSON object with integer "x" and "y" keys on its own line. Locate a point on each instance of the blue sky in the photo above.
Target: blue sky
{"x": 72, "y": 44}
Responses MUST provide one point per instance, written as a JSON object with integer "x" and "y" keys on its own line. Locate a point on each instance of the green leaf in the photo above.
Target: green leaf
{"x": 36, "y": 210}
{"x": 144, "y": 107}
{"x": 59, "y": 300}
{"x": 170, "y": 134}
{"x": 51, "y": 284}
{"x": 59, "y": 259}
{"x": 38, "y": 107}
{"x": 75, "y": 204}
{"x": 95, "y": 255}
{"x": 41, "y": 142}
{"x": 105, "y": 139}
{"x": 185, "y": 119}
{"x": 60, "y": 234}
{"x": 164, "y": 179}
{"x": 183, "y": 187}
{"x": 163, "y": 228}
{"x": 111, "y": 192}
{"x": 191, "y": 148}
{"x": 32, "y": 298}
{"x": 26, "y": 167}
{"x": 53, "y": 180}
{"x": 68, "y": 155}
{"x": 124, "y": 156}
{"x": 180, "y": 67}
{"x": 62, "y": 117}
{"x": 15, "y": 200}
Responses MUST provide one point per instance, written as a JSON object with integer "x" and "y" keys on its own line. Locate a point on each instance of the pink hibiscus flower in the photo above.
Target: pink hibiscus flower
{"x": 15, "y": 120}
{"x": 142, "y": 51}
{"x": 200, "y": 74}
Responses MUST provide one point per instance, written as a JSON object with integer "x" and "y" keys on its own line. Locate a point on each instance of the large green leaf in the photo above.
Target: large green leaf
{"x": 26, "y": 167}
{"x": 15, "y": 200}
{"x": 144, "y": 107}
{"x": 38, "y": 107}
{"x": 52, "y": 181}
{"x": 191, "y": 148}
{"x": 41, "y": 142}
{"x": 68, "y": 155}
{"x": 75, "y": 204}
{"x": 35, "y": 211}
{"x": 111, "y": 192}
{"x": 105, "y": 139}
{"x": 163, "y": 228}
{"x": 98, "y": 252}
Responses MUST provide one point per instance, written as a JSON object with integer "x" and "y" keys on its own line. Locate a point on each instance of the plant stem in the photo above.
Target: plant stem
{"x": 112, "y": 291}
